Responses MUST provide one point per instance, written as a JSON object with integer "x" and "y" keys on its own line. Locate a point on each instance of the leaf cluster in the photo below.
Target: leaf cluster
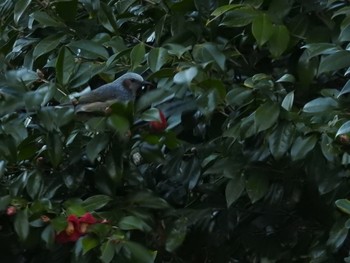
{"x": 253, "y": 166}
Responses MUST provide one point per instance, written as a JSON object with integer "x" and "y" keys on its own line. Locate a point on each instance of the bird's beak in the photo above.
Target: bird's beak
{"x": 146, "y": 83}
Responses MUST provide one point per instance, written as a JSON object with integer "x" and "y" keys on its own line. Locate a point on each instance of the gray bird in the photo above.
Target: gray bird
{"x": 122, "y": 89}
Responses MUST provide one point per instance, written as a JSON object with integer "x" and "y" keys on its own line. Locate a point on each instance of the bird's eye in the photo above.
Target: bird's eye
{"x": 133, "y": 80}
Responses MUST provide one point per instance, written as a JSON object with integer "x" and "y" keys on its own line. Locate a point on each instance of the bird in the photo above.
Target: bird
{"x": 123, "y": 89}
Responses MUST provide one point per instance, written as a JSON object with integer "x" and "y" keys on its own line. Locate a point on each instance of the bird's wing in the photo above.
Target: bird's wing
{"x": 101, "y": 94}
{"x": 97, "y": 106}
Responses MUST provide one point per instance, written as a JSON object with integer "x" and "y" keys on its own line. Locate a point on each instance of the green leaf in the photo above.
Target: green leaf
{"x": 254, "y": 3}
{"x": 83, "y": 72}
{"x": 107, "y": 252}
{"x": 88, "y": 49}
{"x": 97, "y": 144}
{"x": 2, "y": 169}
{"x": 222, "y": 10}
{"x": 40, "y": 205}
{"x": 137, "y": 55}
{"x": 64, "y": 66}
{"x": 256, "y": 185}
{"x": 288, "y": 100}
{"x": 191, "y": 170}
{"x": 48, "y": 235}
{"x": 152, "y": 96}
{"x": 320, "y": 105}
{"x": 75, "y": 209}
{"x": 176, "y": 49}
{"x": 34, "y": 185}
{"x": 107, "y": 17}
{"x": 73, "y": 201}
{"x": 279, "y": 9}
{"x": 18, "y": 80}
{"x": 8, "y": 148}
{"x": 328, "y": 148}
{"x": 4, "y": 202}
{"x": 20, "y": 8}
{"x": 214, "y": 84}
{"x": 88, "y": 243}
{"x": 208, "y": 102}
{"x": 239, "y": 17}
{"x": 119, "y": 123}
{"x": 345, "y": 128}
{"x": 73, "y": 180}
{"x": 52, "y": 118}
{"x": 92, "y": 5}
{"x": 159, "y": 28}
{"x": 266, "y": 115}
{"x": 148, "y": 200}
{"x": 343, "y": 205}
{"x": 59, "y": 223}
{"x": 345, "y": 30}
{"x": 281, "y": 139}
{"x": 78, "y": 248}
{"x": 151, "y": 114}
{"x": 46, "y": 20}
{"x": 157, "y": 57}
{"x": 334, "y": 61}
{"x": 47, "y": 44}
{"x": 177, "y": 235}
{"x": 123, "y": 5}
{"x": 316, "y": 49}
{"x": 307, "y": 69}
{"x": 337, "y": 235}
{"x": 123, "y": 109}
{"x": 248, "y": 126}
{"x": 345, "y": 89}
{"x": 262, "y": 29}
{"x": 234, "y": 190}
{"x": 302, "y": 146}
{"x": 186, "y": 76}
{"x": 208, "y": 52}
{"x": 21, "y": 224}
{"x": 205, "y": 7}
{"x": 54, "y": 148}
{"x": 289, "y": 78}
{"x": 132, "y": 223}
{"x": 96, "y": 202}
{"x": 40, "y": 97}
{"x": 139, "y": 253}
{"x": 279, "y": 40}
{"x": 239, "y": 96}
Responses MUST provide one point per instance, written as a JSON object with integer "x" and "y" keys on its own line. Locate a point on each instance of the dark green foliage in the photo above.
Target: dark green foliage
{"x": 254, "y": 163}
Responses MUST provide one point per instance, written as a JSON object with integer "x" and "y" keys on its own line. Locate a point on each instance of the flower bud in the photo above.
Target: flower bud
{"x": 11, "y": 210}
{"x": 159, "y": 126}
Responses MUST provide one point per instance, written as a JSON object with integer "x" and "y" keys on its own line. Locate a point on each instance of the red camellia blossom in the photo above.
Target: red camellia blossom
{"x": 85, "y": 221}
{"x": 11, "y": 210}
{"x": 159, "y": 126}
{"x": 71, "y": 233}
{"x": 76, "y": 227}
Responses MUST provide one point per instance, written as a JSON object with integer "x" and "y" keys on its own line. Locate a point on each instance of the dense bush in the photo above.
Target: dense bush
{"x": 253, "y": 163}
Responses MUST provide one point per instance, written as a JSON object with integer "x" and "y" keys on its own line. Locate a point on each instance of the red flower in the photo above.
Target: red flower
{"x": 85, "y": 221}
{"x": 11, "y": 210}
{"x": 159, "y": 126}
{"x": 76, "y": 227}
{"x": 71, "y": 233}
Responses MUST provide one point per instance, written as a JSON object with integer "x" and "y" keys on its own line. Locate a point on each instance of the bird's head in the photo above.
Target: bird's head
{"x": 132, "y": 81}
